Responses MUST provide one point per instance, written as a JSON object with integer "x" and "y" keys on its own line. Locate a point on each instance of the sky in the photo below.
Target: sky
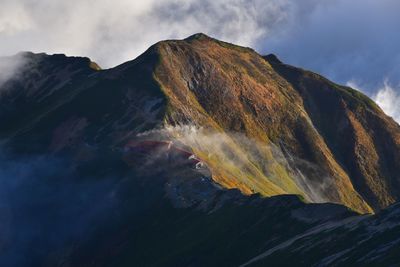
{"x": 355, "y": 42}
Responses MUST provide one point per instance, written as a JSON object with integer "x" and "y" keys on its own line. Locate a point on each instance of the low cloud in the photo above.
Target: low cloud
{"x": 248, "y": 161}
{"x": 386, "y": 95}
{"x": 388, "y": 98}
{"x": 45, "y": 211}
{"x": 10, "y": 67}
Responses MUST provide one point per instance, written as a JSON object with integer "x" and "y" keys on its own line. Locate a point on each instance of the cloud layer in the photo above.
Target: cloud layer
{"x": 113, "y": 32}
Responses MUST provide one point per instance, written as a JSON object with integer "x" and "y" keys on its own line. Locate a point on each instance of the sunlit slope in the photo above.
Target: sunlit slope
{"x": 232, "y": 89}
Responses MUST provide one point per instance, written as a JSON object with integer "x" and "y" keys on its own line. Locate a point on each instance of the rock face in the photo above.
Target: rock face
{"x": 265, "y": 127}
{"x": 196, "y": 153}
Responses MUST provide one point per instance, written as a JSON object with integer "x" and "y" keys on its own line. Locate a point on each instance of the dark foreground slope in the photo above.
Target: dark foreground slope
{"x": 361, "y": 241}
{"x": 229, "y": 230}
{"x": 113, "y": 212}
{"x": 81, "y": 186}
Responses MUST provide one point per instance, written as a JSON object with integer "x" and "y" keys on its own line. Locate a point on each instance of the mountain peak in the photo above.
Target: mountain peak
{"x": 198, "y": 36}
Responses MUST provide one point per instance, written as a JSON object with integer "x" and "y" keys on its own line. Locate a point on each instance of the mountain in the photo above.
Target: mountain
{"x": 196, "y": 153}
{"x": 290, "y": 131}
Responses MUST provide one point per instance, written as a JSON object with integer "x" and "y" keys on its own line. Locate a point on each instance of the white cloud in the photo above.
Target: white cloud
{"x": 354, "y": 84}
{"x": 14, "y": 18}
{"x": 388, "y": 99}
{"x": 386, "y": 96}
{"x": 9, "y": 67}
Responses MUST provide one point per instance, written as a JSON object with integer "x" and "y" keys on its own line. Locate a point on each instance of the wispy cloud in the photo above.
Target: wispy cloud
{"x": 388, "y": 98}
{"x": 10, "y": 66}
{"x": 251, "y": 162}
{"x": 386, "y": 95}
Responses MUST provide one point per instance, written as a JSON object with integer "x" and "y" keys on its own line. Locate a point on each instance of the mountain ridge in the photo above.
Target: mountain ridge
{"x": 226, "y": 89}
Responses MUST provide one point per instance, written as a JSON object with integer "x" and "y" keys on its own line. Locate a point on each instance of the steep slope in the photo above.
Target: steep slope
{"x": 363, "y": 139}
{"x": 86, "y": 108}
{"x": 39, "y": 81}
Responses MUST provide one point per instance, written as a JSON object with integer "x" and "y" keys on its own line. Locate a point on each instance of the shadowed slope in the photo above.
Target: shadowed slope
{"x": 363, "y": 139}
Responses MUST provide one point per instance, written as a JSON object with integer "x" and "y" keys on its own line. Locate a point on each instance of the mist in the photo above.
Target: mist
{"x": 388, "y": 98}
{"x": 249, "y": 161}
{"x": 10, "y": 67}
{"x": 47, "y": 207}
